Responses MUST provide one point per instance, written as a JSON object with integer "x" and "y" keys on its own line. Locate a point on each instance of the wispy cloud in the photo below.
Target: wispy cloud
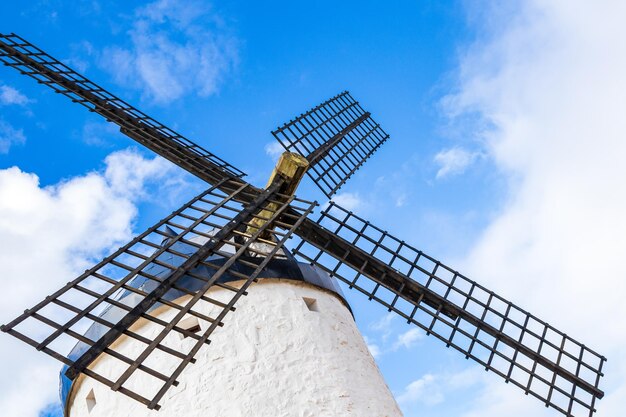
{"x": 401, "y": 199}
{"x": 454, "y": 161}
{"x": 10, "y": 95}
{"x": 274, "y": 150}
{"x": 56, "y": 226}
{"x": 80, "y": 55}
{"x": 10, "y": 136}
{"x": 99, "y": 133}
{"x": 349, "y": 201}
{"x": 176, "y": 48}
{"x": 383, "y": 325}
{"x": 432, "y": 389}
{"x": 408, "y": 339}
{"x": 384, "y": 337}
{"x": 397, "y": 183}
{"x": 425, "y": 390}
{"x": 548, "y": 78}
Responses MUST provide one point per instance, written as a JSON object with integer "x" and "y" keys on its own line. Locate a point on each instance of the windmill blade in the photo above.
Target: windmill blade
{"x": 198, "y": 262}
{"x": 28, "y": 59}
{"x": 336, "y": 137}
{"x": 499, "y": 335}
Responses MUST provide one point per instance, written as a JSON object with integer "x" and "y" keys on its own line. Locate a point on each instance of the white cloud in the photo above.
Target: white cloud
{"x": 274, "y": 149}
{"x": 454, "y": 161}
{"x": 177, "y": 48}
{"x": 383, "y": 326}
{"x": 436, "y": 389}
{"x": 425, "y": 390}
{"x": 10, "y": 136}
{"x": 349, "y": 201}
{"x": 546, "y": 81}
{"x": 9, "y": 95}
{"x": 49, "y": 235}
{"x": 384, "y": 330}
{"x": 408, "y": 339}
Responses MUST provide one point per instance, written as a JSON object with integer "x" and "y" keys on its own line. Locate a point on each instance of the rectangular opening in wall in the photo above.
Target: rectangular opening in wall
{"x": 91, "y": 400}
{"x": 191, "y": 324}
{"x": 311, "y": 303}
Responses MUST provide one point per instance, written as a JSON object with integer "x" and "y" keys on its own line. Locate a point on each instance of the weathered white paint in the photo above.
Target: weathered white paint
{"x": 274, "y": 357}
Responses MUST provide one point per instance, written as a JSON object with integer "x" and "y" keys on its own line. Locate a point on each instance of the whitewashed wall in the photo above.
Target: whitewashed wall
{"x": 274, "y": 357}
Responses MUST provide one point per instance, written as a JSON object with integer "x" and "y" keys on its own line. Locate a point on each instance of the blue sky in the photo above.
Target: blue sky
{"x": 503, "y": 157}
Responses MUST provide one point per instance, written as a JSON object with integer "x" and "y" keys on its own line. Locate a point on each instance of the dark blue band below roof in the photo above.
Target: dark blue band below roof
{"x": 284, "y": 268}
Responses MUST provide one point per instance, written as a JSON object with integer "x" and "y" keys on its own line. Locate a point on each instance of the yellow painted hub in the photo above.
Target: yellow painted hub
{"x": 291, "y": 167}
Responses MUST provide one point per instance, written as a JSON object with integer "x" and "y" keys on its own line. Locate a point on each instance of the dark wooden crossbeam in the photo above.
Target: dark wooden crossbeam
{"x": 18, "y": 53}
{"x": 317, "y": 155}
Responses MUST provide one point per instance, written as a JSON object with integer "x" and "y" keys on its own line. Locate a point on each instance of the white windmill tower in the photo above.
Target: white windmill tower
{"x": 291, "y": 349}
{"x": 146, "y": 313}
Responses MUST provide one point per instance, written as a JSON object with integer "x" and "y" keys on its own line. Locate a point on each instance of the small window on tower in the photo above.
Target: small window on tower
{"x": 311, "y": 303}
{"x": 191, "y": 324}
{"x": 91, "y": 401}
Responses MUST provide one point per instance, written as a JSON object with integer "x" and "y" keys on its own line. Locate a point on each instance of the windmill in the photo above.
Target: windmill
{"x": 138, "y": 322}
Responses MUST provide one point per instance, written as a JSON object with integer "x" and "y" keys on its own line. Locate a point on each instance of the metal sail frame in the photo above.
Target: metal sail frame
{"x": 158, "y": 269}
{"x": 336, "y": 137}
{"x": 28, "y": 59}
{"x": 480, "y": 324}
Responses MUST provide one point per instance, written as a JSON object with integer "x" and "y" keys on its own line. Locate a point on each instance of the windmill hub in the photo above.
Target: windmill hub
{"x": 290, "y": 167}
{"x": 289, "y": 171}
